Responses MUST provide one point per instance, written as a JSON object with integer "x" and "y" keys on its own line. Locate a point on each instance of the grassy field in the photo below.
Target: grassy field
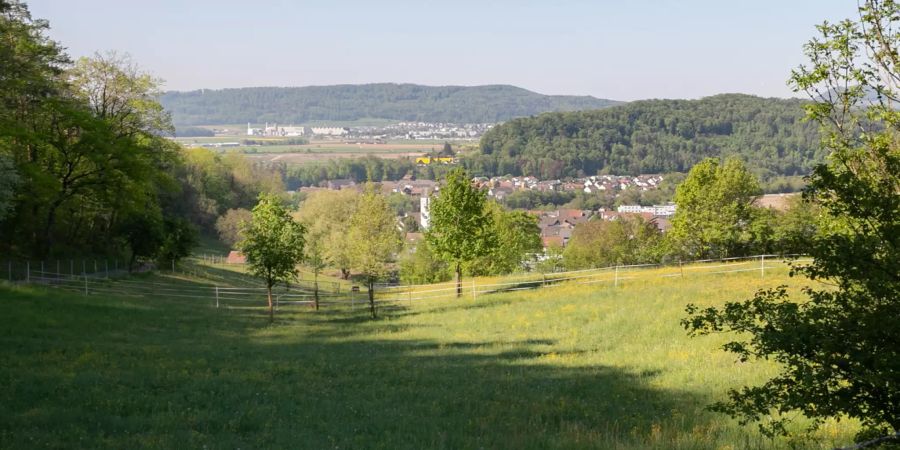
{"x": 586, "y": 366}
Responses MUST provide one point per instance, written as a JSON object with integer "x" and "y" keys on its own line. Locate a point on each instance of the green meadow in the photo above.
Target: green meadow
{"x": 569, "y": 366}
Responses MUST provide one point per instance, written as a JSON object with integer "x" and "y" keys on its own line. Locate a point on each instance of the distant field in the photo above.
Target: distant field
{"x": 317, "y": 150}
{"x": 589, "y": 366}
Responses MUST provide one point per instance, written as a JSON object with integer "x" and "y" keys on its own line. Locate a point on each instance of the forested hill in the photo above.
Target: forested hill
{"x": 654, "y": 136}
{"x": 400, "y": 102}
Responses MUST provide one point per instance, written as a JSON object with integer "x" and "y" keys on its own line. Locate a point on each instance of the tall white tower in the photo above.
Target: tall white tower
{"x": 424, "y": 204}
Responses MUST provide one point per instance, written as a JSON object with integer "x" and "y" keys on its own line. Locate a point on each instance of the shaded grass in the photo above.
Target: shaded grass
{"x": 564, "y": 367}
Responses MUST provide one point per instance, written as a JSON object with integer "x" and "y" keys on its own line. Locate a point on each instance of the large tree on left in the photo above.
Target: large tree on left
{"x": 85, "y": 140}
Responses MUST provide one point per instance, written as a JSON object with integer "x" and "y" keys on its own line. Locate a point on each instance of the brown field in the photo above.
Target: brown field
{"x": 300, "y": 158}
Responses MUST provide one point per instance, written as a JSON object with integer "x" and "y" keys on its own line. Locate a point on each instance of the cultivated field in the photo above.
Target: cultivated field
{"x": 566, "y": 366}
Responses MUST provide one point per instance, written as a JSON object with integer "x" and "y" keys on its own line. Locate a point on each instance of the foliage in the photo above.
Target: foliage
{"x": 653, "y": 136}
{"x": 9, "y": 183}
{"x": 273, "y": 244}
{"x": 230, "y": 224}
{"x": 327, "y": 214}
{"x": 419, "y": 265}
{"x": 838, "y": 350}
{"x": 461, "y": 228}
{"x": 212, "y": 183}
{"x": 400, "y": 102}
{"x": 604, "y": 243}
{"x": 179, "y": 238}
{"x": 518, "y": 237}
{"x": 715, "y": 209}
{"x": 552, "y": 260}
{"x": 85, "y": 143}
{"x": 193, "y": 132}
{"x": 373, "y": 239}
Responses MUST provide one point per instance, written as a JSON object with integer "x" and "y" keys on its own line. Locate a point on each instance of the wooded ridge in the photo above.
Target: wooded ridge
{"x": 386, "y": 101}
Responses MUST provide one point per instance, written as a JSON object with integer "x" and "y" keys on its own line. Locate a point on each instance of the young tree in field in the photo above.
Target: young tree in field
{"x": 838, "y": 349}
{"x": 315, "y": 260}
{"x": 273, "y": 244}
{"x": 715, "y": 204}
{"x": 518, "y": 236}
{"x": 327, "y": 216}
{"x": 461, "y": 228}
{"x": 374, "y": 239}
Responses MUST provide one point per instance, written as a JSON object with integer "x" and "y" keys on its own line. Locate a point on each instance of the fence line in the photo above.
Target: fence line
{"x": 105, "y": 282}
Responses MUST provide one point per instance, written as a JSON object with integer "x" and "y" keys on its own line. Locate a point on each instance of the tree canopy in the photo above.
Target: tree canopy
{"x": 653, "y": 136}
{"x": 461, "y": 228}
{"x": 386, "y": 101}
{"x": 838, "y": 350}
{"x": 273, "y": 244}
{"x": 714, "y": 214}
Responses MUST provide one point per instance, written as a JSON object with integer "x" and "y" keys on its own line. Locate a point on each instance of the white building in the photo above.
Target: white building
{"x": 424, "y": 204}
{"x": 329, "y": 131}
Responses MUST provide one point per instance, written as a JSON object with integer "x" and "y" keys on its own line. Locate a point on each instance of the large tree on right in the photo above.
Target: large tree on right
{"x": 839, "y": 349}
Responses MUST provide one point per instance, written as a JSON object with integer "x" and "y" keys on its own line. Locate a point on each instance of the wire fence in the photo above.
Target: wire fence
{"x": 240, "y": 291}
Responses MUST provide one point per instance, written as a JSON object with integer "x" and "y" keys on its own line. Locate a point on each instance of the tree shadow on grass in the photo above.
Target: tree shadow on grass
{"x": 187, "y": 378}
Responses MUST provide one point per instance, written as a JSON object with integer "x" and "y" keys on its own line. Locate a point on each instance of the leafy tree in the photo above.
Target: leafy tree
{"x": 9, "y": 183}
{"x": 231, "y": 223}
{"x": 273, "y": 244}
{"x": 518, "y": 236}
{"x": 143, "y": 232}
{"x": 327, "y": 215}
{"x": 419, "y": 265}
{"x": 179, "y": 238}
{"x": 552, "y": 261}
{"x": 715, "y": 204}
{"x": 374, "y": 239}
{"x": 839, "y": 350}
{"x": 599, "y": 243}
{"x": 461, "y": 228}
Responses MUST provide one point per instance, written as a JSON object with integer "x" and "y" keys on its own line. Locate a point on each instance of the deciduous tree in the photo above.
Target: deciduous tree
{"x": 715, "y": 204}
{"x": 273, "y": 244}
{"x": 838, "y": 349}
{"x": 374, "y": 239}
{"x": 461, "y": 228}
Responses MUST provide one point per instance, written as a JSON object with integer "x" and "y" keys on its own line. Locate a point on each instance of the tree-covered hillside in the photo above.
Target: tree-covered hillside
{"x": 654, "y": 136}
{"x": 401, "y": 102}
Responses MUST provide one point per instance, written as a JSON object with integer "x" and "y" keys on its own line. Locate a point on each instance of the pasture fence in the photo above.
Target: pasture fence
{"x": 240, "y": 291}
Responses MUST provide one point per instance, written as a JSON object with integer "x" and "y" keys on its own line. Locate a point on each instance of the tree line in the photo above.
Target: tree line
{"x": 86, "y": 165}
{"x": 385, "y": 101}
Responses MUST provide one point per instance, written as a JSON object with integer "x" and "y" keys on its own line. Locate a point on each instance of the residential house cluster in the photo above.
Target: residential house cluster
{"x": 500, "y": 187}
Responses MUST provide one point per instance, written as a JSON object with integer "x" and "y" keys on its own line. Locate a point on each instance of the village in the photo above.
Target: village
{"x": 556, "y": 225}
{"x": 390, "y": 132}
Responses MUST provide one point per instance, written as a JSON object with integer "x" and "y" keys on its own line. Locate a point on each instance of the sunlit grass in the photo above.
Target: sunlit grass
{"x": 568, "y": 366}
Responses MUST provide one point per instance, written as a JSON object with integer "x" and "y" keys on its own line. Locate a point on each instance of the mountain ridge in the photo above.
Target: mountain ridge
{"x": 348, "y": 102}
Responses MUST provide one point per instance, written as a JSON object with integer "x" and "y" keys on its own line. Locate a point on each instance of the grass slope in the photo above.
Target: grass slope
{"x": 563, "y": 367}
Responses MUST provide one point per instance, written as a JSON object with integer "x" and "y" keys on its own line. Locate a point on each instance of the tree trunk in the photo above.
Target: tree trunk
{"x": 345, "y": 274}
{"x": 271, "y": 309}
{"x": 316, "y": 289}
{"x": 458, "y": 280}
{"x": 372, "y": 296}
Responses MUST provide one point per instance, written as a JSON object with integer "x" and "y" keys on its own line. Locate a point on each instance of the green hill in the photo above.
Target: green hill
{"x": 588, "y": 366}
{"x": 654, "y": 136}
{"x": 389, "y": 101}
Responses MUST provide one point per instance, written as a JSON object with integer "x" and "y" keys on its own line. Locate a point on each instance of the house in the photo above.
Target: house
{"x": 235, "y": 257}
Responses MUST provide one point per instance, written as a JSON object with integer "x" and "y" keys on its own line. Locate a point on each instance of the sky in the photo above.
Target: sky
{"x": 621, "y": 50}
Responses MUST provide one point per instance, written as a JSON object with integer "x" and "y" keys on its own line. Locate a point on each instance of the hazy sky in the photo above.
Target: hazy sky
{"x": 623, "y": 49}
